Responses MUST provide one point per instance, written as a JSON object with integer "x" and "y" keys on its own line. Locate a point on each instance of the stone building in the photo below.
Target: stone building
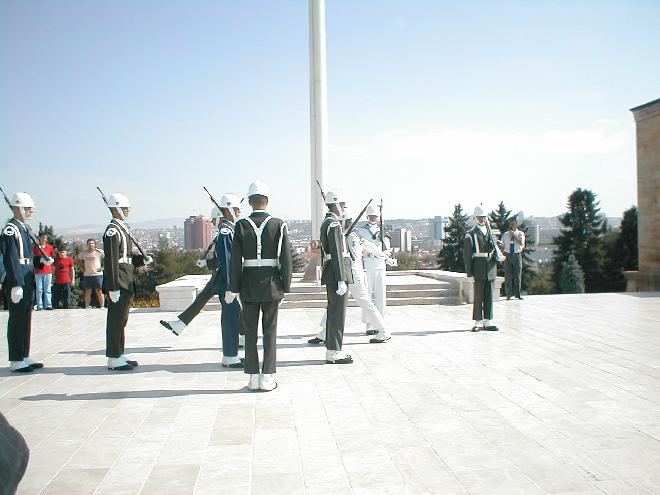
{"x": 647, "y": 118}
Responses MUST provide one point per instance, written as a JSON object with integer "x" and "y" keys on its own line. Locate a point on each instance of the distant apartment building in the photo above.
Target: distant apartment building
{"x": 198, "y": 232}
{"x": 438, "y": 225}
{"x": 401, "y": 240}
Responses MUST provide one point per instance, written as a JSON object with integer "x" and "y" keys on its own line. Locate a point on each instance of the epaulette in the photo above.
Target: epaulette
{"x": 10, "y": 230}
{"x": 225, "y": 230}
{"x": 111, "y": 231}
{"x": 334, "y": 223}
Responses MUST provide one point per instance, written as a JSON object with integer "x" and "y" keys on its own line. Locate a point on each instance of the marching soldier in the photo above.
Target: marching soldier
{"x": 480, "y": 257}
{"x": 220, "y": 262}
{"x": 178, "y": 326}
{"x": 260, "y": 273}
{"x": 336, "y": 275}
{"x": 119, "y": 280}
{"x": 19, "y": 283}
{"x": 358, "y": 289}
{"x": 375, "y": 261}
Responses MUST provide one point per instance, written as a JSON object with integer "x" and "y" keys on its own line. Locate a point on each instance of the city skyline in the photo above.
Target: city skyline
{"x": 533, "y": 99}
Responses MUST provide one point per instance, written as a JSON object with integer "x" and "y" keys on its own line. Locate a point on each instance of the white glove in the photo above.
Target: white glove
{"x": 46, "y": 261}
{"x": 201, "y": 263}
{"x": 16, "y": 294}
{"x": 114, "y": 295}
{"x": 391, "y": 262}
{"x": 148, "y": 260}
{"x": 341, "y": 288}
{"x": 230, "y": 296}
{"x": 471, "y": 278}
{"x": 388, "y": 251}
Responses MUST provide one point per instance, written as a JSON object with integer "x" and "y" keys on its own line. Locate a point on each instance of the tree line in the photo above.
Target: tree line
{"x": 589, "y": 255}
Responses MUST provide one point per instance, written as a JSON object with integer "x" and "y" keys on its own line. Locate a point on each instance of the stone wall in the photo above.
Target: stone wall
{"x": 647, "y": 118}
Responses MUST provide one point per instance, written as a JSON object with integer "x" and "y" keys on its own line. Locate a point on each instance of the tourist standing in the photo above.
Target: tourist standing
{"x": 44, "y": 272}
{"x": 91, "y": 260}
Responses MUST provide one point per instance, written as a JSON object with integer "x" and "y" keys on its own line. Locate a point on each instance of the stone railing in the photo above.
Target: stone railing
{"x": 178, "y": 294}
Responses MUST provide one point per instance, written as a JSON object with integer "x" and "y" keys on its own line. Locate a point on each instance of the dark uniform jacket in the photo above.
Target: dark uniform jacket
{"x": 335, "y": 256}
{"x": 17, "y": 255}
{"x": 223, "y": 243}
{"x": 264, "y": 283}
{"x": 120, "y": 262}
{"x": 479, "y": 258}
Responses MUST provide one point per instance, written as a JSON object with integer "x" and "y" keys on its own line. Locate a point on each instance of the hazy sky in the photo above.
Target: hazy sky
{"x": 431, "y": 103}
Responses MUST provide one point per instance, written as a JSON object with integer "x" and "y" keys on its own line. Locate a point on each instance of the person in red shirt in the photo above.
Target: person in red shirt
{"x": 43, "y": 272}
{"x": 65, "y": 277}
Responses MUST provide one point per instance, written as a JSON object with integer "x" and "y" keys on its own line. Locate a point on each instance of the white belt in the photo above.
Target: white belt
{"x": 24, "y": 261}
{"x": 128, "y": 261}
{"x": 480, "y": 255}
{"x": 260, "y": 263}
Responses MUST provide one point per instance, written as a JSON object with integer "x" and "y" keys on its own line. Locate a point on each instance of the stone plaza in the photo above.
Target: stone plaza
{"x": 565, "y": 398}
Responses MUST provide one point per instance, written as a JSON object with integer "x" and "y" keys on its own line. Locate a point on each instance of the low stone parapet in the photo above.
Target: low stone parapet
{"x": 178, "y": 294}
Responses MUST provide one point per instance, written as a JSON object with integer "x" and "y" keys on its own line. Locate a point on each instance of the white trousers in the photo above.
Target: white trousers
{"x": 376, "y": 287}
{"x": 370, "y": 313}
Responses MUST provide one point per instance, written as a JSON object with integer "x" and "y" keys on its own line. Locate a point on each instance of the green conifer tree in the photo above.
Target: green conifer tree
{"x": 451, "y": 256}
{"x": 584, "y": 228}
{"x": 571, "y": 277}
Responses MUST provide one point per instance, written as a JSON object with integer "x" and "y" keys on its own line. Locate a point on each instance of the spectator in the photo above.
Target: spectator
{"x": 65, "y": 277}
{"x": 91, "y": 259}
{"x": 43, "y": 272}
{"x": 514, "y": 244}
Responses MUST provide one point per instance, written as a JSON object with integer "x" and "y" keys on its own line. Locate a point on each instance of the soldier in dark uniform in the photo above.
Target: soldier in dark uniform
{"x": 480, "y": 257}
{"x": 336, "y": 275}
{"x": 119, "y": 281}
{"x": 261, "y": 273}
{"x": 19, "y": 285}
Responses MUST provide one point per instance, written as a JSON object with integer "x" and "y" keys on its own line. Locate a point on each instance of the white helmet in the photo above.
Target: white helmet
{"x": 479, "y": 212}
{"x": 334, "y": 196}
{"x": 215, "y": 213}
{"x": 230, "y": 200}
{"x": 22, "y": 200}
{"x": 372, "y": 210}
{"x": 118, "y": 200}
{"x": 258, "y": 187}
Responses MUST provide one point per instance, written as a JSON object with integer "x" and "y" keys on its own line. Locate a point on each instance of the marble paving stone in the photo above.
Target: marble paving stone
{"x": 559, "y": 401}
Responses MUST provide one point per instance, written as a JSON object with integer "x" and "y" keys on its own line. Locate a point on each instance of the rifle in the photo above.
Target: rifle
{"x": 30, "y": 234}
{"x": 382, "y": 240}
{"x": 357, "y": 219}
{"x": 231, "y": 210}
{"x": 128, "y": 228}
{"x": 320, "y": 189}
{"x": 499, "y": 256}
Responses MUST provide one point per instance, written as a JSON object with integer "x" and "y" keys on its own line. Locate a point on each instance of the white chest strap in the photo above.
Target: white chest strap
{"x": 16, "y": 232}
{"x": 257, "y": 232}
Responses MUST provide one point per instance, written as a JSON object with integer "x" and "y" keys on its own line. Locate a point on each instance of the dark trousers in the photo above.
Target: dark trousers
{"x": 62, "y": 294}
{"x": 200, "y": 301}
{"x": 14, "y": 456}
{"x": 116, "y": 323}
{"x": 19, "y": 323}
{"x": 230, "y": 321}
{"x": 269, "y": 311}
{"x": 512, "y": 274}
{"x": 483, "y": 300}
{"x": 334, "y": 324}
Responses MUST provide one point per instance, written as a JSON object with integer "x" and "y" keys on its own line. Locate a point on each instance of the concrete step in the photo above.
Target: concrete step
{"x": 314, "y": 289}
{"x": 391, "y": 294}
{"x": 402, "y": 301}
